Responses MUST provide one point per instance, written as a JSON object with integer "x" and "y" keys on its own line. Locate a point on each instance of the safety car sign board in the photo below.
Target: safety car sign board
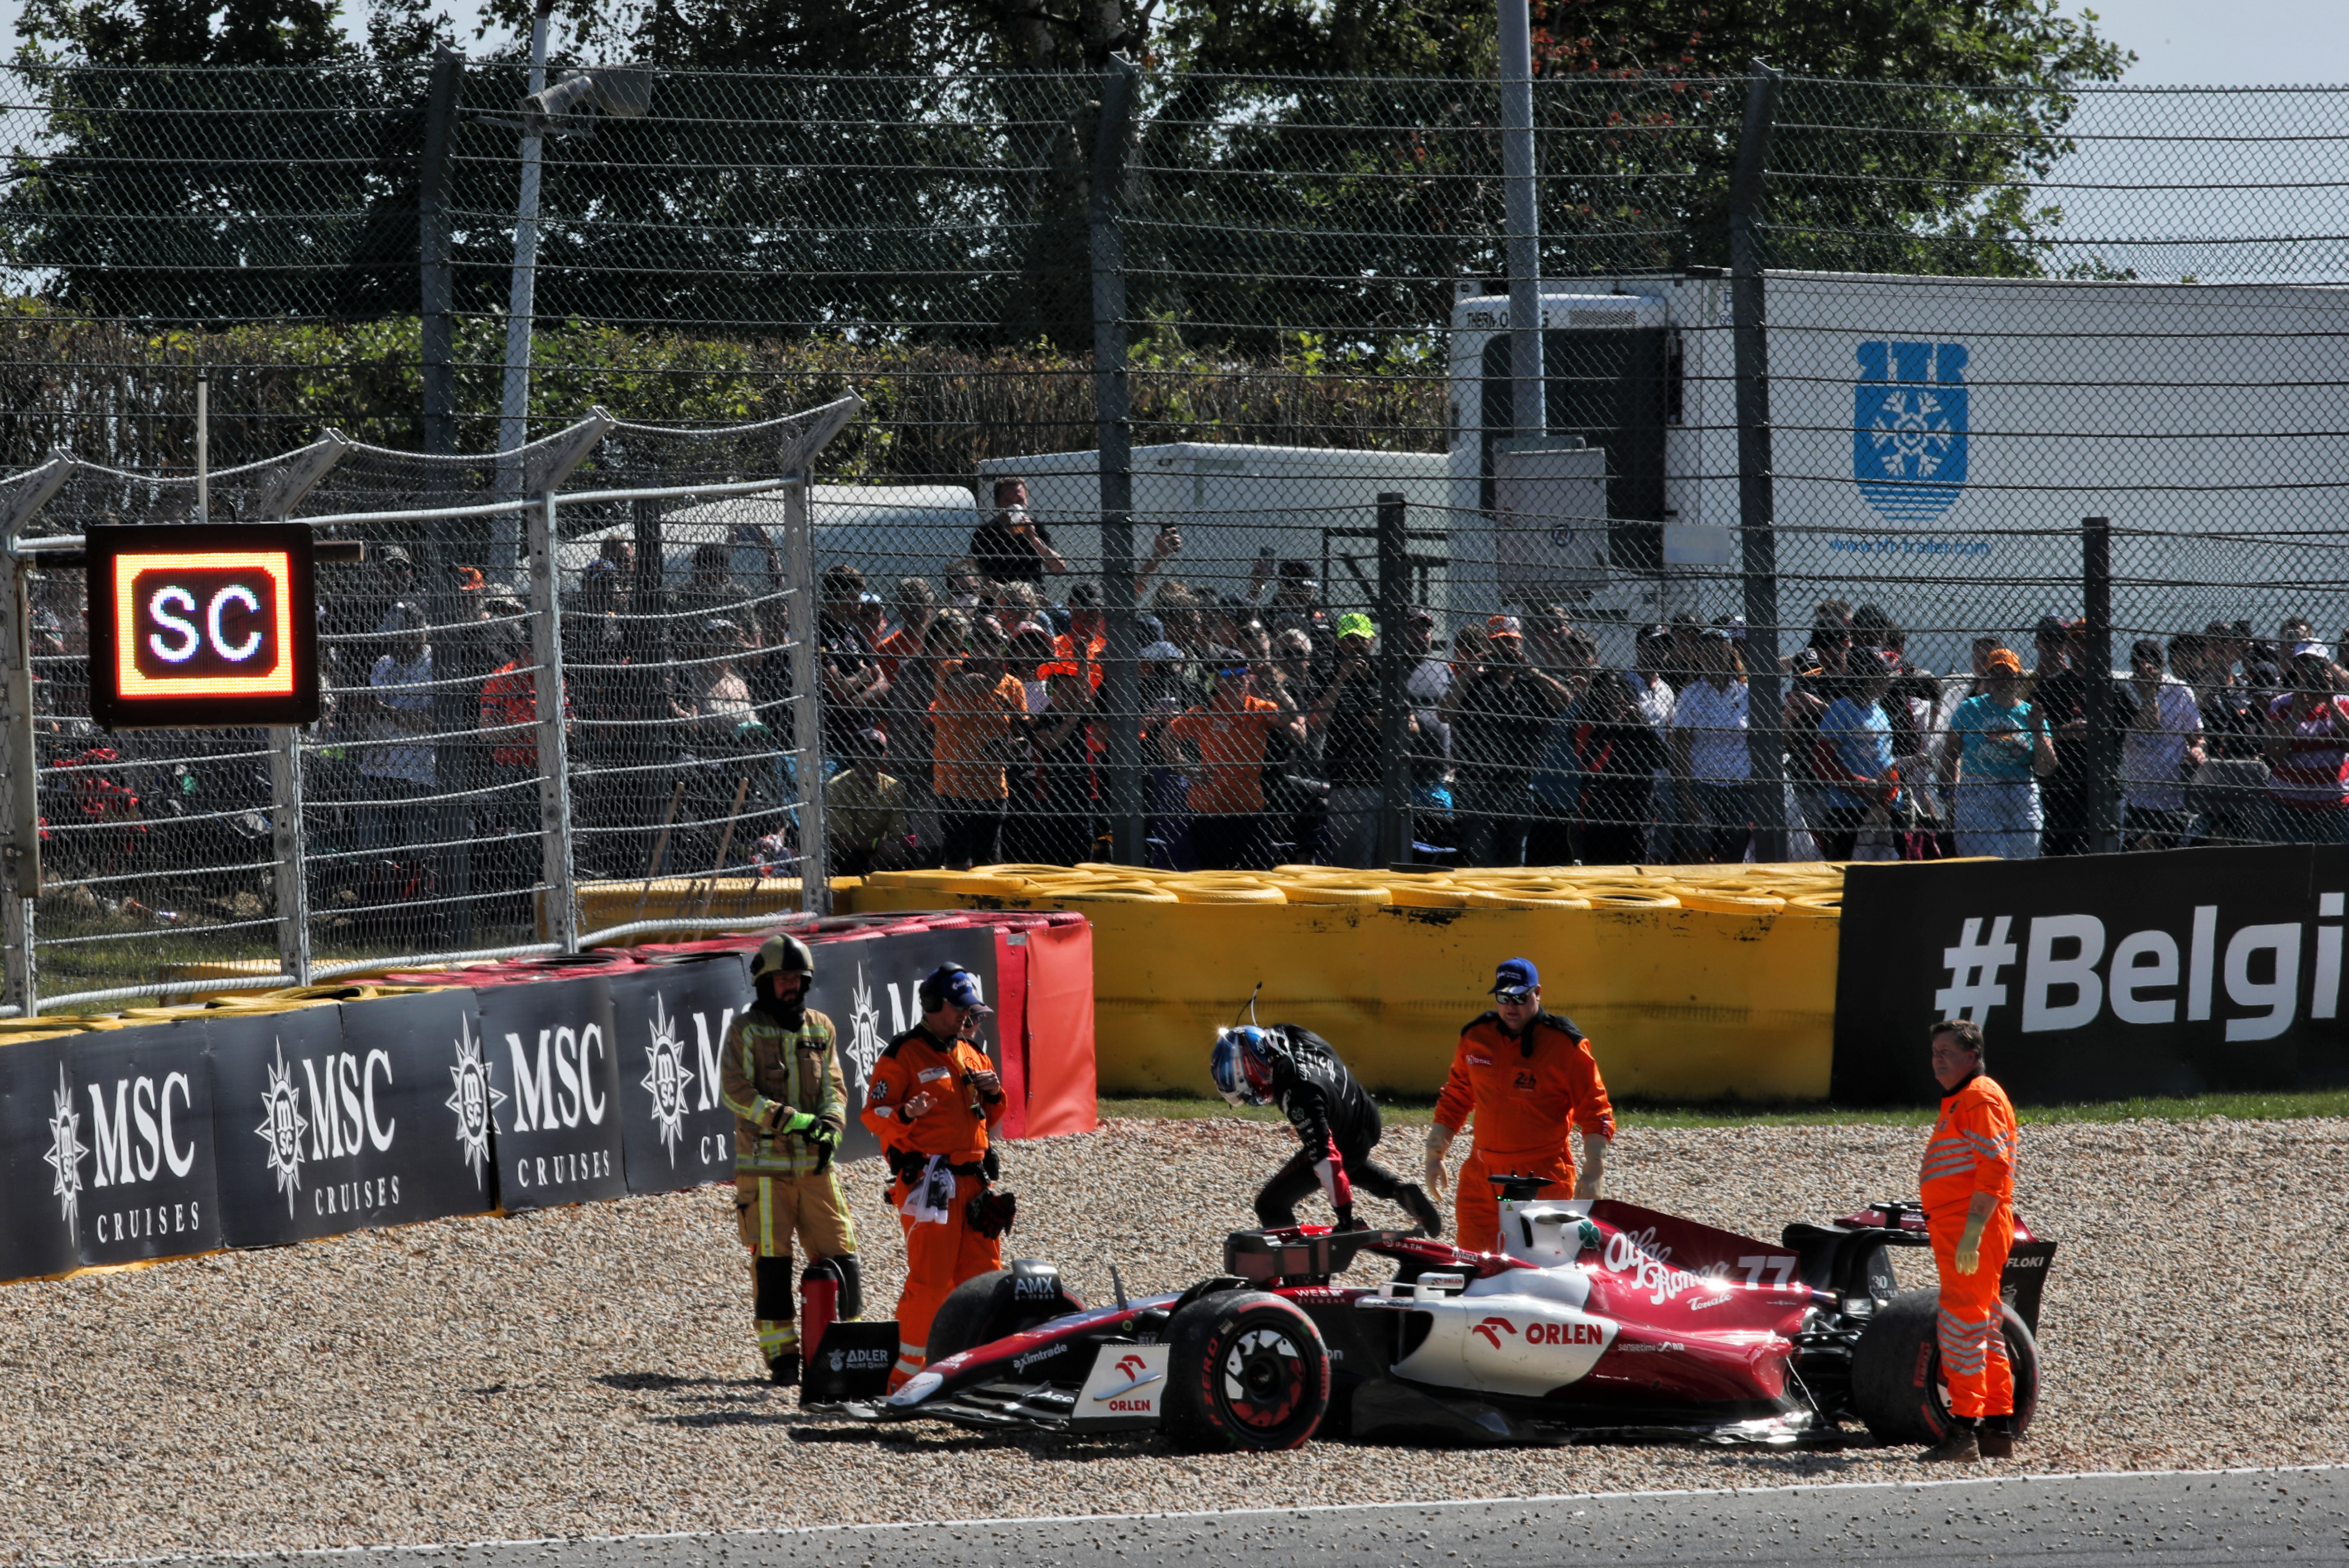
{"x": 1127, "y": 1388}
{"x": 199, "y": 625}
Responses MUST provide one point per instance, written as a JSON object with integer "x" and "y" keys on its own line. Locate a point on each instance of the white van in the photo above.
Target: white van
{"x": 1234, "y": 504}
{"x": 888, "y": 530}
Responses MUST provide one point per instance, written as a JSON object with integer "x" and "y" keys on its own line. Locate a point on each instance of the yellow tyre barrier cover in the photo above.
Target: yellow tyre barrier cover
{"x": 1500, "y": 899}
{"x": 1318, "y": 892}
{"x": 1189, "y": 892}
{"x": 1680, "y": 1003}
{"x": 1740, "y": 903}
{"x": 1630, "y": 898}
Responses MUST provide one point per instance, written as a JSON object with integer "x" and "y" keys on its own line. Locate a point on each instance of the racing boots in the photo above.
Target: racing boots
{"x": 1961, "y": 1444}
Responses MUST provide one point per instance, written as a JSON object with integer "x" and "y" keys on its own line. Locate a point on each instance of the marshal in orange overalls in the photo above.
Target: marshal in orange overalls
{"x": 941, "y": 1249}
{"x": 1972, "y": 1150}
{"x": 1527, "y": 1093}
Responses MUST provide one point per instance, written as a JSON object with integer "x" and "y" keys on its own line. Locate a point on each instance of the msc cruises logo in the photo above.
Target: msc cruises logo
{"x": 1908, "y": 428}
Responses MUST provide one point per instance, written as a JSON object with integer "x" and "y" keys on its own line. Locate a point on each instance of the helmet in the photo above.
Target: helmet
{"x": 1242, "y": 1064}
{"x": 782, "y": 954}
{"x": 950, "y": 982}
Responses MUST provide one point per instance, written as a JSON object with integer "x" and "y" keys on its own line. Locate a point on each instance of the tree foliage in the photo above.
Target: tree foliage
{"x": 920, "y": 168}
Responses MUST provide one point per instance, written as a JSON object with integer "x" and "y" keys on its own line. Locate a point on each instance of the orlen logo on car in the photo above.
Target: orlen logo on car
{"x": 1492, "y": 1328}
{"x": 1135, "y": 1371}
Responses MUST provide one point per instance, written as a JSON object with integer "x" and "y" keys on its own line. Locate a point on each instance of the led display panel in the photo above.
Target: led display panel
{"x": 201, "y": 626}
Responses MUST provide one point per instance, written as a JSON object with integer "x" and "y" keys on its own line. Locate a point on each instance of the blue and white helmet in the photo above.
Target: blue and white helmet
{"x": 1242, "y": 1064}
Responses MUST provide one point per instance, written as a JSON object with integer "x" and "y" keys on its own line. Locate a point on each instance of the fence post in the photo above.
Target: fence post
{"x": 807, "y": 700}
{"x": 287, "y": 842}
{"x": 554, "y": 747}
{"x": 20, "y": 857}
{"x": 1529, "y": 401}
{"x": 439, "y": 348}
{"x": 1756, "y": 505}
{"x": 1122, "y": 751}
{"x": 2103, "y": 741}
{"x": 1395, "y": 598}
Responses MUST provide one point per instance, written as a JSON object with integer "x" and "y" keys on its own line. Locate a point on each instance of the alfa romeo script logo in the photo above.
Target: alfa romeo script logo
{"x": 65, "y": 1154}
{"x": 473, "y": 1100}
{"x": 282, "y": 1126}
{"x": 667, "y": 1078}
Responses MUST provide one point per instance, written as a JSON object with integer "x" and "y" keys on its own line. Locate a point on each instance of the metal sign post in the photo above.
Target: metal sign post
{"x": 20, "y": 856}
{"x": 807, "y": 699}
{"x": 562, "y": 923}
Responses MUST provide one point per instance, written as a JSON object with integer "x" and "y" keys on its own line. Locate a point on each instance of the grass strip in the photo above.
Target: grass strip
{"x": 2279, "y": 1106}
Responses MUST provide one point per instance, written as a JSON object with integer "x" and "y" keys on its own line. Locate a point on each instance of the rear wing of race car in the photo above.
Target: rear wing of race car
{"x": 1305, "y": 1255}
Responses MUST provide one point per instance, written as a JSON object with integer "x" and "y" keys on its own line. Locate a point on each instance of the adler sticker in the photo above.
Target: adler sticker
{"x": 1127, "y": 1384}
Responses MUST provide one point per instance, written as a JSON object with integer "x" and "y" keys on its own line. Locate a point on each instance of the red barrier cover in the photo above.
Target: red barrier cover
{"x": 1011, "y": 1000}
{"x": 1061, "y": 1077}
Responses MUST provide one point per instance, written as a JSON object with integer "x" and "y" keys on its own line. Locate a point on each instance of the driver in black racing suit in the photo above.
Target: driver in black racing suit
{"x": 1337, "y": 1124}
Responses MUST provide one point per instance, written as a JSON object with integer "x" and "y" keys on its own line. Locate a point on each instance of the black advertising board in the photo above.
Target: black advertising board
{"x": 868, "y": 988}
{"x": 670, "y": 1023}
{"x": 341, "y": 1117}
{"x": 2099, "y": 977}
{"x": 148, "y": 1187}
{"x": 553, "y": 1092}
{"x": 44, "y": 1142}
{"x": 196, "y": 625}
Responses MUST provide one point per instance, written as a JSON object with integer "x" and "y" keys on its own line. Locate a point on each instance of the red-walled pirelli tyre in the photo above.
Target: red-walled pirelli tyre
{"x": 1246, "y": 1370}
{"x": 1896, "y": 1371}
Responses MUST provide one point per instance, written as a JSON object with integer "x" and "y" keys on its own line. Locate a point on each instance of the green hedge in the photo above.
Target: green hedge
{"x": 121, "y": 394}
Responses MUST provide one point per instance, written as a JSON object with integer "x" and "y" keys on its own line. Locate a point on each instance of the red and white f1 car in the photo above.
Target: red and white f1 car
{"x": 1598, "y": 1319}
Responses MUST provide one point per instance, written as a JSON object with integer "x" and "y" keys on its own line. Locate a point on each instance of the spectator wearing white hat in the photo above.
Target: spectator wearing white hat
{"x": 2308, "y": 747}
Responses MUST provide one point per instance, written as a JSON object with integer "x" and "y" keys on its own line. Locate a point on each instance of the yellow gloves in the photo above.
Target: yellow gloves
{"x": 1439, "y": 1139}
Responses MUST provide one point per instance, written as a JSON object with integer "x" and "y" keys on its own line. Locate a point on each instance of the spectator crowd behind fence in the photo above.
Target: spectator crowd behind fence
{"x": 1794, "y": 555}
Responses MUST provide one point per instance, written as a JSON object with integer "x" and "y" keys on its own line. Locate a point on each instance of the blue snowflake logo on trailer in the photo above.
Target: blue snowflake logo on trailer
{"x": 1908, "y": 428}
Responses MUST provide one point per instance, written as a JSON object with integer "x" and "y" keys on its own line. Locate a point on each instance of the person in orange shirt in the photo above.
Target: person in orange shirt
{"x": 932, "y": 1097}
{"x": 1229, "y": 829}
{"x": 1528, "y": 1078}
{"x": 975, "y": 730}
{"x": 1088, "y": 634}
{"x": 1967, "y": 1186}
{"x": 916, "y": 604}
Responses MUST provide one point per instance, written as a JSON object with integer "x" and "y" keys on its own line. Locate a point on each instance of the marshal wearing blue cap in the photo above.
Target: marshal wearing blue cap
{"x": 1528, "y": 1078}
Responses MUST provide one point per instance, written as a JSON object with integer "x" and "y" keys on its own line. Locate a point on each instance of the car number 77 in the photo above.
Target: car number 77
{"x": 1754, "y": 1264}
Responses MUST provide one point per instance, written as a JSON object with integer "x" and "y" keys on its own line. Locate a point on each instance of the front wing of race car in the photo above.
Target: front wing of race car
{"x": 1101, "y": 1370}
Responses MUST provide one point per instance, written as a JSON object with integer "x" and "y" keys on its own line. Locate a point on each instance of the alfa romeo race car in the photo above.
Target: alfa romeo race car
{"x": 1598, "y": 1319}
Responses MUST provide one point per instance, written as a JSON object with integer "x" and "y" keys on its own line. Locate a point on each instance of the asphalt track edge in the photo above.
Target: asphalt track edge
{"x": 751, "y": 1537}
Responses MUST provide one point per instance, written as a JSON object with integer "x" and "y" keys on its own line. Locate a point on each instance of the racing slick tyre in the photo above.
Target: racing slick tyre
{"x": 989, "y": 1306}
{"x": 1245, "y": 1370}
{"x": 1896, "y": 1371}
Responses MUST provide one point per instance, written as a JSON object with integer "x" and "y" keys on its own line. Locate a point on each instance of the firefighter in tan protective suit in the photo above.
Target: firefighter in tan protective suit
{"x": 781, "y": 1080}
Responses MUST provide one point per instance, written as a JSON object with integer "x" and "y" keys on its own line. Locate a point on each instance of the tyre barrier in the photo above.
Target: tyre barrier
{"x": 1695, "y": 982}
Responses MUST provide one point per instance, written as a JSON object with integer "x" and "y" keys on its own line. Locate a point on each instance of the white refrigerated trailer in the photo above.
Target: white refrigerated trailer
{"x": 1936, "y": 443}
